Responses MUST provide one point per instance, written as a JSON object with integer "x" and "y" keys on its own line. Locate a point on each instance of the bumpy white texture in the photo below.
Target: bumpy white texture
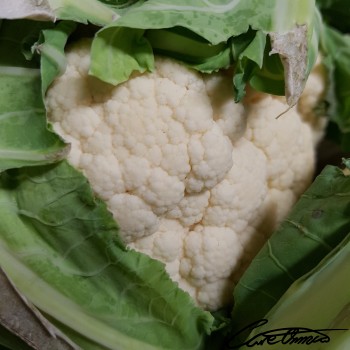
{"x": 193, "y": 179}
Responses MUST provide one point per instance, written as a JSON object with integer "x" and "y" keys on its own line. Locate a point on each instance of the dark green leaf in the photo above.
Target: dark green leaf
{"x": 317, "y": 223}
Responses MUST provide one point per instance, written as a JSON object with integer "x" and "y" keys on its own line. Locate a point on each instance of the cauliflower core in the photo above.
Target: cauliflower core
{"x": 192, "y": 178}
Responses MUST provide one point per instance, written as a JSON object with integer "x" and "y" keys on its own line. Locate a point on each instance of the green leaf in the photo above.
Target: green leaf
{"x": 24, "y": 136}
{"x": 121, "y": 47}
{"x": 270, "y": 77}
{"x": 249, "y": 49}
{"x": 51, "y": 49}
{"x": 317, "y": 300}
{"x": 317, "y": 223}
{"x": 117, "y": 52}
{"x": 60, "y": 247}
{"x": 190, "y": 48}
{"x": 216, "y": 23}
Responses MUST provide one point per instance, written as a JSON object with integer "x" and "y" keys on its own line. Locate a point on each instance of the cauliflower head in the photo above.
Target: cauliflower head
{"x": 193, "y": 179}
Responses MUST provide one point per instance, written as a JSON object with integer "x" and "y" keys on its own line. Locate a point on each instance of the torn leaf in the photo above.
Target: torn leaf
{"x": 292, "y": 46}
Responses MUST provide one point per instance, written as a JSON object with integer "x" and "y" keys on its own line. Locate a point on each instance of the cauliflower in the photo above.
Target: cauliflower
{"x": 192, "y": 178}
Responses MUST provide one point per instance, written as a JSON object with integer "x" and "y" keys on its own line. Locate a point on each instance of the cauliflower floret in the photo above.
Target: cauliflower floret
{"x": 192, "y": 178}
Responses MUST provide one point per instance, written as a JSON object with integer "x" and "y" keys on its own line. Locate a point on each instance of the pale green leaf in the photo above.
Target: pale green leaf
{"x": 24, "y": 135}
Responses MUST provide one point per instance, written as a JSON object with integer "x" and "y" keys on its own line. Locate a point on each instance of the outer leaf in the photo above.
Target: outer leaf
{"x": 24, "y": 137}
{"x": 290, "y": 24}
{"x": 61, "y": 249}
{"x": 215, "y": 21}
{"x": 318, "y": 222}
{"x": 218, "y": 22}
{"x": 318, "y": 300}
